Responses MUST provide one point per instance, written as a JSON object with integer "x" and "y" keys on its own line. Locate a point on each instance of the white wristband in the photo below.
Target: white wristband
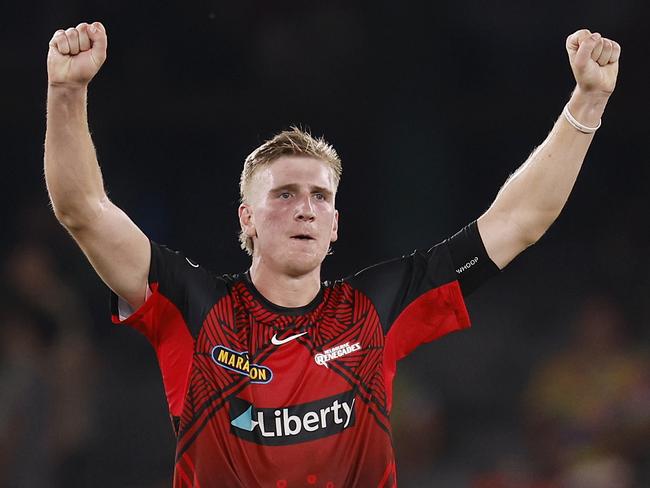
{"x": 582, "y": 128}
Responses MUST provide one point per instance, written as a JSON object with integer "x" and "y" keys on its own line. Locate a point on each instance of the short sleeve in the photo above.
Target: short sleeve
{"x": 168, "y": 316}
{"x": 420, "y": 296}
{"x": 471, "y": 261}
{"x": 168, "y": 284}
{"x": 417, "y": 298}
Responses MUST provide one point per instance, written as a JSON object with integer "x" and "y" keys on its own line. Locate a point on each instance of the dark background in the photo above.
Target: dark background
{"x": 431, "y": 106}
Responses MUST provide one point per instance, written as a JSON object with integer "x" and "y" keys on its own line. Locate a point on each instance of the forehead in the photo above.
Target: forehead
{"x": 300, "y": 170}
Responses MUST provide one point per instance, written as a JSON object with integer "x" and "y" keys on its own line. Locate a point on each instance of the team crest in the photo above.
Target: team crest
{"x": 322, "y": 358}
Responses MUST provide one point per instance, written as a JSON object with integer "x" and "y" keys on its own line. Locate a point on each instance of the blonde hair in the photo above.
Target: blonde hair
{"x": 292, "y": 142}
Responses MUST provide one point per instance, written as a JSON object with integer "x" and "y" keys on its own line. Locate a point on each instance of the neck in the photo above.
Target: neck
{"x": 283, "y": 289}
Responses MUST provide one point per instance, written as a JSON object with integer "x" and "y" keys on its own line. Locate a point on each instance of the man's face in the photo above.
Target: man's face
{"x": 290, "y": 214}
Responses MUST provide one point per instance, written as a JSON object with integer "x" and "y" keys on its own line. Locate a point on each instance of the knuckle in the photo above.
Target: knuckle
{"x": 83, "y": 36}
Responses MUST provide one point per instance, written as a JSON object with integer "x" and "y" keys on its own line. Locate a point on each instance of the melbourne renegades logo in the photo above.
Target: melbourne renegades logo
{"x": 336, "y": 352}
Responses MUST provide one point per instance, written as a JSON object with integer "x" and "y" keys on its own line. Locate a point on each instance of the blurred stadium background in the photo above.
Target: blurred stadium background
{"x": 431, "y": 106}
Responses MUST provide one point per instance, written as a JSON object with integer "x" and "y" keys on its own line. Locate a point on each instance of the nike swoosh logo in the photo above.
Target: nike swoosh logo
{"x": 191, "y": 263}
{"x": 279, "y": 342}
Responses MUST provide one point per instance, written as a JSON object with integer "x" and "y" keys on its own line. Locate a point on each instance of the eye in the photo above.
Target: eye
{"x": 319, "y": 196}
{"x": 284, "y": 195}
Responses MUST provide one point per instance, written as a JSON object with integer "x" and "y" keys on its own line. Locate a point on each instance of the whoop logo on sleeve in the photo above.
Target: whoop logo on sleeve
{"x": 294, "y": 424}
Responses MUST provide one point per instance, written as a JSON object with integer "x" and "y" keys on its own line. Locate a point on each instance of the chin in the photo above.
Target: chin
{"x": 298, "y": 264}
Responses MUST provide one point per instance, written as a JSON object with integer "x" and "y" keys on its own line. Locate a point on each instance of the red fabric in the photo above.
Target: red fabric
{"x": 172, "y": 341}
{"x": 389, "y": 478}
{"x": 181, "y": 476}
{"x": 360, "y": 455}
{"x": 431, "y": 316}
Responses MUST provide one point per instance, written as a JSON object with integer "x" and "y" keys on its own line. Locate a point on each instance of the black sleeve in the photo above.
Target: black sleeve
{"x": 472, "y": 264}
{"x": 177, "y": 285}
{"x": 424, "y": 282}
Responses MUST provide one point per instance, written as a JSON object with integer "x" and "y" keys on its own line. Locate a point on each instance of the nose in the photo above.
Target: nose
{"x": 305, "y": 209}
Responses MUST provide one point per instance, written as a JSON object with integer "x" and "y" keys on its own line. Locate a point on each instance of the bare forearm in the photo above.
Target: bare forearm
{"x": 535, "y": 194}
{"x": 72, "y": 174}
{"x": 117, "y": 249}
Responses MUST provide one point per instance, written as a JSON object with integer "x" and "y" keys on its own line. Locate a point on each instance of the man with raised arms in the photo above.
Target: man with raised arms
{"x": 274, "y": 378}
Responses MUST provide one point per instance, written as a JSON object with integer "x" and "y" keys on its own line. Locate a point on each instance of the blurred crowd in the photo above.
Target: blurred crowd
{"x": 48, "y": 365}
{"x": 582, "y": 420}
{"x": 76, "y": 396}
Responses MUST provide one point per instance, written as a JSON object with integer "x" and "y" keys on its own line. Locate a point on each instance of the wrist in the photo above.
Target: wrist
{"x": 67, "y": 101}
{"x": 71, "y": 89}
{"x": 66, "y": 95}
{"x": 587, "y": 107}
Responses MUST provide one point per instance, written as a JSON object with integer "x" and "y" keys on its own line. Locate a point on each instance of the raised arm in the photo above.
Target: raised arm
{"x": 114, "y": 245}
{"x": 534, "y": 195}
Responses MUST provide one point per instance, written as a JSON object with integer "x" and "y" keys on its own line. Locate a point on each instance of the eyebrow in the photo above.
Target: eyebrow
{"x": 294, "y": 188}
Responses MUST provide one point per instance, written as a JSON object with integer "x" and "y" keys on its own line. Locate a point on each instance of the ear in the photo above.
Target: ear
{"x": 246, "y": 220}
{"x": 335, "y": 227}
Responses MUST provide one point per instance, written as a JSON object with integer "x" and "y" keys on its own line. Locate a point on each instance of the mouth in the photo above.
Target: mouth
{"x": 303, "y": 237}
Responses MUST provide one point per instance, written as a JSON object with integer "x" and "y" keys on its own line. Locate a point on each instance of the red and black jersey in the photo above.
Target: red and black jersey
{"x": 268, "y": 396}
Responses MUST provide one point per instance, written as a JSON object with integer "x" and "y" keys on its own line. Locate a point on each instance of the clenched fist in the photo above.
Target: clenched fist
{"x": 76, "y": 54}
{"x": 594, "y": 61}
